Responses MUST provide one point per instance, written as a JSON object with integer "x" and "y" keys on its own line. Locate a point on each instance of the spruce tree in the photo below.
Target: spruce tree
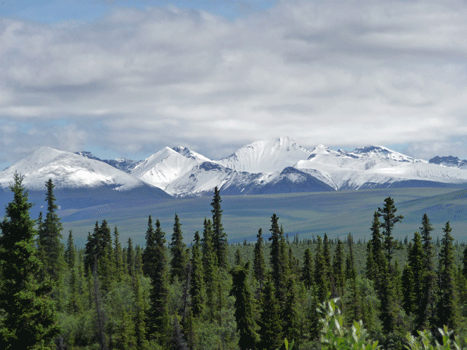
{"x": 149, "y": 250}
{"x": 259, "y": 264}
{"x": 219, "y": 237}
{"x": 130, "y": 257}
{"x": 244, "y": 308}
{"x": 210, "y": 269}
{"x": 118, "y": 256}
{"x": 197, "y": 289}
{"x": 338, "y": 268}
{"x": 448, "y": 303}
{"x": 291, "y": 314}
{"x": 321, "y": 274}
{"x": 278, "y": 261}
{"x": 307, "y": 271}
{"x": 270, "y": 322}
{"x": 427, "y": 311}
{"x": 177, "y": 248}
{"x": 158, "y": 316}
{"x": 388, "y": 213}
{"x": 70, "y": 252}
{"x": 28, "y": 318}
{"x": 49, "y": 237}
{"x": 416, "y": 265}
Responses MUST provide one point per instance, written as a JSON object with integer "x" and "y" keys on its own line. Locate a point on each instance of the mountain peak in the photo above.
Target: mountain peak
{"x": 266, "y": 156}
{"x": 449, "y": 161}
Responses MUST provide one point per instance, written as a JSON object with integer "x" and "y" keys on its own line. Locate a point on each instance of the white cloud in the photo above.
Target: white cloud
{"x": 332, "y": 72}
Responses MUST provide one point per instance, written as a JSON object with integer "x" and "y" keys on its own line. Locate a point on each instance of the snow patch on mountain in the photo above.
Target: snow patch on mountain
{"x": 67, "y": 170}
{"x": 167, "y": 165}
{"x": 375, "y": 165}
{"x": 267, "y": 156}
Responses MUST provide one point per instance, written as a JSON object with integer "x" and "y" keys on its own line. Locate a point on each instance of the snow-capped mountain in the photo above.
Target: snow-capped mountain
{"x": 374, "y": 166}
{"x": 123, "y": 164}
{"x": 271, "y": 166}
{"x": 167, "y": 165}
{"x": 268, "y": 156}
{"x": 67, "y": 170}
{"x": 449, "y": 161}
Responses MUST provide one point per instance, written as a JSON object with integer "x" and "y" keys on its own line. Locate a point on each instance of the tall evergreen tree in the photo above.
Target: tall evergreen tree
{"x": 278, "y": 261}
{"x": 118, "y": 256}
{"x": 210, "y": 268}
{"x": 416, "y": 270}
{"x": 307, "y": 271}
{"x": 353, "y": 305}
{"x": 388, "y": 213}
{"x": 130, "y": 257}
{"x": 177, "y": 248}
{"x": 219, "y": 237}
{"x": 338, "y": 268}
{"x": 270, "y": 322}
{"x": 321, "y": 275}
{"x": 70, "y": 252}
{"x": 259, "y": 264}
{"x": 448, "y": 304}
{"x": 28, "y": 318}
{"x": 291, "y": 314}
{"x": 158, "y": 318}
{"x": 244, "y": 308}
{"x": 50, "y": 237}
{"x": 197, "y": 289}
{"x": 149, "y": 250}
{"x": 376, "y": 261}
{"x": 427, "y": 312}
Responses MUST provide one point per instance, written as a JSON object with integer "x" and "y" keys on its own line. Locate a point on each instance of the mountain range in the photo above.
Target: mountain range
{"x": 263, "y": 167}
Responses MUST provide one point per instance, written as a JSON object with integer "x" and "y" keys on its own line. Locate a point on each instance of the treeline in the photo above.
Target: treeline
{"x": 212, "y": 295}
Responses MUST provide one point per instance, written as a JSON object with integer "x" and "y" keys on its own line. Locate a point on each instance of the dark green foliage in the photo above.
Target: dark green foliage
{"x": 307, "y": 271}
{"x": 448, "y": 303}
{"x": 413, "y": 278}
{"x": 158, "y": 316}
{"x": 28, "y": 317}
{"x": 338, "y": 268}
{"x": 259, "y": 264}
{"x": 409, "y": 296}
{"x": 118, "y": 257}
{"x": 270, "y": 322}
{"x": 197, "y": 290}
{"x": 149, "y": 250}
{"x": 427, "y": 312}
{"x": 70, "y": 252}
{"x": 210, "y": 268}
{"x": 219, "y": 237}
{"x": 321, "y": 274}
{"x": 178, "y": 340}
{"x": 238, "y": 258}
{"x": 177, "y": 248}
{"x": 244, "y": 308}
{"x": 279, "y": 261}
{"x": 130, "y": 257}
{"x": 49, "y": 244}
{"x": 388, "y": 213}
{"x": 291, "y": 315}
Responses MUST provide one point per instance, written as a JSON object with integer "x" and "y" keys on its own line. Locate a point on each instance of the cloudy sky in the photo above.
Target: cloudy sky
{"x": 126, "y": 78}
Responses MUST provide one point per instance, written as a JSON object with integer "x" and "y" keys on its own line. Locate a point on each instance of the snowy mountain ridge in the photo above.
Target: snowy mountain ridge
{"x": 270, "y": 166}
{"x": 67, "y": 170}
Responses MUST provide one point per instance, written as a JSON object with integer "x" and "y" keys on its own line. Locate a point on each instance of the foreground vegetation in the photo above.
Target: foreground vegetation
{"x": 317, "y": 293}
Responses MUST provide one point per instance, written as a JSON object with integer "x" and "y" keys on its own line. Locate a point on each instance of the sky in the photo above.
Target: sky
{"x": 127, "y": 78}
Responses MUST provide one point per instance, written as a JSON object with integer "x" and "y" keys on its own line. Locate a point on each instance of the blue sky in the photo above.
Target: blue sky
{"x": 90, "y": 10}
{"x": 126, "y": 78}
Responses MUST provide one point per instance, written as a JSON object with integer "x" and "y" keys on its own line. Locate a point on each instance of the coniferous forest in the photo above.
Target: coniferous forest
{"x": 278, "y": 293}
